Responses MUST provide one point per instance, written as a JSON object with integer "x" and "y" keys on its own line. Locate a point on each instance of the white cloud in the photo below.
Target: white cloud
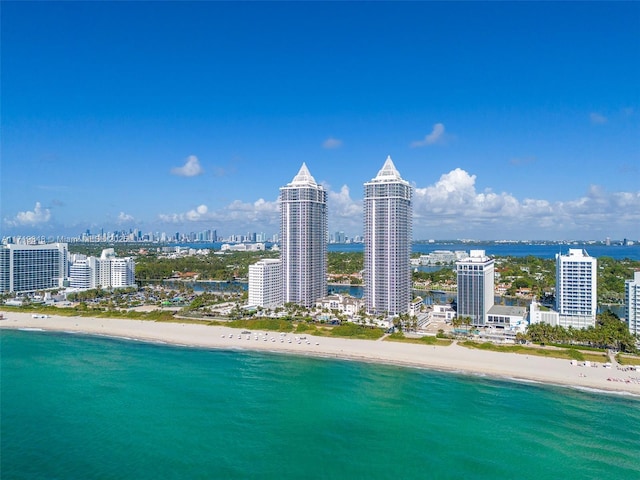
{"x": 201, "y": 212}
{"x": 345, "y": 213}
{"x": 597, "y": 119}
{"x": 237, "y": 215}
{"x": 452, "y": 207}
{"x": 436, "y": 136}
{"x": 124, "y": 218}
{"x": 331, "y": 143}
{"x": 191, "y": 168}
{"x": 38, "y": 216}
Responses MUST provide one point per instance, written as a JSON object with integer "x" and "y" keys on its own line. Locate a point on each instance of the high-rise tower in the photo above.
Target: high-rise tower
{"x": 576, "y": 288}
{"x": 303, "y": 239}
{"x": 387, "y": 242}
{"x": 632, "y": 303}
{"x": 475, "y": 275}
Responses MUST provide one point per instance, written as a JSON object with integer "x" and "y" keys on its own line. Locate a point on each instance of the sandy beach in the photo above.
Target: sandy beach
{"x": 451, "y": 358}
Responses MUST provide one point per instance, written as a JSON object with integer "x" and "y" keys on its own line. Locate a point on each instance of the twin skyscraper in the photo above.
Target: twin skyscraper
{"x": 387, "y": 241}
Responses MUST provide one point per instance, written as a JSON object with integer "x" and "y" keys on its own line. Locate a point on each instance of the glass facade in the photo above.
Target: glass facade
{"x": 475, "y": 277}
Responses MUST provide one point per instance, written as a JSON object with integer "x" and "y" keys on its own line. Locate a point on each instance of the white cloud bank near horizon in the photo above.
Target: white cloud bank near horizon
{"x": 125, "y": 217}
{"x": 450, "y": 208}
{"x": 38, "y": 216}
{"x": 453, "y": 208}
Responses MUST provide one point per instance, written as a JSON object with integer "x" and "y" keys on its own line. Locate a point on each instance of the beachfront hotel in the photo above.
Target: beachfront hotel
{"x": 303, "y": 239}
{"x": 29, "y": 268}
{"x": 576, "y": 289}
{"x": 387, "y": 242}
{"x": 475, "y": 275}
{"x": 632, "y": 303}
{"x": 265, "y": 283}
{"x": 107, "y": 271}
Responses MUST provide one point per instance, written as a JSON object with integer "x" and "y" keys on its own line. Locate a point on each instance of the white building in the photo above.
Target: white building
{"x": 416, "y": 306}
{"x": 540, "y": 314}
{"x": 108, "y": 271}
{"x": 444, "y": 313}
{"x": 303, "y": 239}
{"x": 341, "y": 303}
{"x": 387, "y": 242}
{"x": 576, "y": 289}
{"x": 81, "y": 274}
{"x": 475, "y": 276}
{"x": 242, "y": 247}
{"x": 29, "y": 268}
{"x": 632, "y": 303}
{"x": 506, "y": 316}
{"x": 442, "y": 257}
{"x": 122, "y": 272}
{"x": 265, "y": 283}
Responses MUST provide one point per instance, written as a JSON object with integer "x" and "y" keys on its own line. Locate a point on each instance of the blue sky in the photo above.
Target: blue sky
{"x": 511, "y": 120}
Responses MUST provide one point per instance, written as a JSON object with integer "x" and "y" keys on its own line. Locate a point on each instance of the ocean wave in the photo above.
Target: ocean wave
{"x": 601, "y": 391}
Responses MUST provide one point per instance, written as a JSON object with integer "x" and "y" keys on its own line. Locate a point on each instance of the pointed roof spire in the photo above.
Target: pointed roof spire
{"x": 388, "y": 171}
{"x": 303, "y": 176}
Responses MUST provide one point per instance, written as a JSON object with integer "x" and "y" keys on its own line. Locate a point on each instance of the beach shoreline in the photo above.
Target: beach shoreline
{"x": 452, "y": 359}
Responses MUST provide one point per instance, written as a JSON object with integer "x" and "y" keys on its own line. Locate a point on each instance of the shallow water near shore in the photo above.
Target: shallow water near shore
{"x": 75, "y": 406}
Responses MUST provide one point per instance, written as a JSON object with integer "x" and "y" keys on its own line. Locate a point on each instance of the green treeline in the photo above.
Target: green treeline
{"x": 444, "y": 275}
{"x": 537, "y": 274}
{"x": 609, "y": 332}
{"x": 208, "y": 267}
{"x": 345, "y": 263}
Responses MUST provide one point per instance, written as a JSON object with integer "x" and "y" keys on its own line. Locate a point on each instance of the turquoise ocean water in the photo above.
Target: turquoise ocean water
{"x": 75, "y": 406}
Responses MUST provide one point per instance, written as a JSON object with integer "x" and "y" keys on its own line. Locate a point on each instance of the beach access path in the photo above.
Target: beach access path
{"x": 453, "y": 358}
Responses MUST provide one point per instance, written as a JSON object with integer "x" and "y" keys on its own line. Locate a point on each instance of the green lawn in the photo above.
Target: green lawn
{"x": 351, "y": 330}
{"x": 426, "y": 340}
{"x": 628, "y": 359}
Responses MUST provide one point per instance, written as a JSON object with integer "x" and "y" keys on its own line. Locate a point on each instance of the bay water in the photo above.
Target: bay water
{"x": 77, "y": 406}
{"x": 499, "y": 249}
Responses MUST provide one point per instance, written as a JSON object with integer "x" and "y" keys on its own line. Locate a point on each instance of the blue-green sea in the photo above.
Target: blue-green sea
{"x": 75, "y": 406}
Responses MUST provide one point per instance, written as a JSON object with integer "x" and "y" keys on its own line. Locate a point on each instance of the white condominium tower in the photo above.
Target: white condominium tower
{"x": 475, "y": 276}
{"x": 387, "y": 242}
{"x": 576, "y": 289}
{"x": 265, "y": 283}
{"x": 29, "y": 268}
{"x": 632, "y": 303}
{"x": 303, "y": 239}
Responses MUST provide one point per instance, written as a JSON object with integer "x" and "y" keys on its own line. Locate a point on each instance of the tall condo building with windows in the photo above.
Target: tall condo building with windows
{"x": 303, "y": 239}
{"x": 265, "y": 283}
{"x": 387, "y": 242}
{"x": 576, "y": 289}
{"x": 29, "y": 268}
{"x": 632, "y": 303}
{"x": 475, "y": 276}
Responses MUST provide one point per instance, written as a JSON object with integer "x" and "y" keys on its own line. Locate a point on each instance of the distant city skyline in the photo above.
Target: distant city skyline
{"x": 510, "y": 120}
